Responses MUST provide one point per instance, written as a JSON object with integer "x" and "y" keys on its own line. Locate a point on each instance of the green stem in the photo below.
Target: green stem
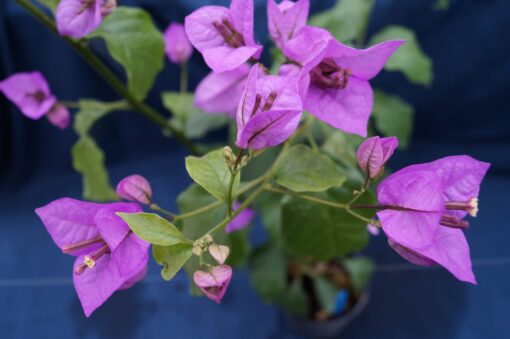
{"x": 70, "y": 104}
{"x": 312, "y": 141}
{"x": 249, "y": 186}
{"x": 307, "y": 197}
{"x": 184, "y": 77}
{"x": 345, "y": 207}
{"x": 108, "y": 76}
{"x": 234, "y": 172}
{"x": 265, "y": 179}
{"x": 156, "y": 208}
{"x": 241, "y": 208}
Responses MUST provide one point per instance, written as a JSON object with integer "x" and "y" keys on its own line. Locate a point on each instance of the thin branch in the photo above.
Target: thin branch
{"x": 108, "y": 76}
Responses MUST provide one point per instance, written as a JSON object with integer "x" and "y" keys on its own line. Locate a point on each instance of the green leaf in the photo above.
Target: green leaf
{"x": 326, "y": 293}
{"x": 51, "y": 4}
{"x": 172, "y": 258}
{"x": 442, "y": 5}
{"x": 134, "y": 41}
{"x": 192, "y": 121}
{"x": 196, "y": 197}
{"x": 154, "y": 229}
{"x": 360, "y": 270}
{"x": 193, "y": 198}
{"x": 294, "y": 299}
{"x": 268, "y": 269}
{"x": 239, "y": 244}
{"x": 321, "y": 232}
{"x": 302, "y": 170}
{"x": 269, "y": 206}
{"x": 341, "y": 147}
{"x": 409, "y": 58}
{"x": 88, "y": 160}
{"x": 212, "y": 173}
{"x": 347, "y": 20}
{"x": 91, "y": 111}
{"x": 393, "y": 117}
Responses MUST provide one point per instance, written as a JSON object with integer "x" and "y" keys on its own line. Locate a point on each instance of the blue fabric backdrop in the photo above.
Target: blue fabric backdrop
{"x": 465, "y": 111}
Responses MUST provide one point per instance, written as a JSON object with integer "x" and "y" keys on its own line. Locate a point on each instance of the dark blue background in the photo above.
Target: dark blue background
{"x": 464, "y": 112}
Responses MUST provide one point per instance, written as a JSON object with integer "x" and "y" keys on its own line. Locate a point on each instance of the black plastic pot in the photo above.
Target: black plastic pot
{"x": 326, "y": 329}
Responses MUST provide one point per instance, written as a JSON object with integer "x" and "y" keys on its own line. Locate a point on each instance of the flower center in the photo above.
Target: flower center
{"x": 267, "y": 104}
{"x": 232, "y": 37}
{"x": 470, "y": 206}
{"x": 90, "y": 261}
{"x": 38, "y": 96}
{"x": 328, "y": 74}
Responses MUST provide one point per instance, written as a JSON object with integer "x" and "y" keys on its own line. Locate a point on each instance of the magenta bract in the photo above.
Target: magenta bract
{"x": 59, "y": 116}
{"x": 269, "y": 111}
{"x": 424, "y": 207}
{"x": 286, "y": 19}
{"x": 219, "y": 93}
{"x": 242, "y": 220}
{"x": 177, "y": 46}
{"x": 135, "y": 188}
{"x": 78, "y": 18}
{"x": 109, "y": 256}
{"x": 214, "y": 283}
{"x": 336, "y": 77}
{"x": 223, "y": 35}
{"x": 30, "y": 92}
{"x": 373, "y": 154}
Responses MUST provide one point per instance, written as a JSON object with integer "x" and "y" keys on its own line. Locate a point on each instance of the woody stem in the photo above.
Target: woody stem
{"x": 109, "y": 77}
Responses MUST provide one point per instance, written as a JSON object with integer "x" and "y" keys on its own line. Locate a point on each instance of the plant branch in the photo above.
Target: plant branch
{"x": 320, "y": 201}
{"x": 234, "y": 172}
{"x": 249, "y": 186}
{"x": 108, "y": 76}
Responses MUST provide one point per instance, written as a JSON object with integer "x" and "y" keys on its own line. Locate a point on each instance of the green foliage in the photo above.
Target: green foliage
{"x": 393, "y": 117}
{"x": 302, "y": 170}
{"x": 172, "y": 258}
{"x": 269, "y": 206}
{"x": 268, "y": 272}
{"x": 135, "y": 42}
{"x": 212, "y": 173}
{"x": 326, "y": 293}
{"x": 360, "y": 270}
{"x": 196, "y": 226}
{"x": 347, "y": 20}
{"x": 442, "y": 5}
{"x": 51, "y": 4}
{"x": 409, "y": 58}
{"x": 154, "y": 229}
{"x": 322, "y": 232}
{"x": 88, "y": 158}
{"x": 189, "y": 119}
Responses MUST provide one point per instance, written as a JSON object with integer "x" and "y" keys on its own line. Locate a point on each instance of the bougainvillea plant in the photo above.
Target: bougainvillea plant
{"x": 297, "y": 158}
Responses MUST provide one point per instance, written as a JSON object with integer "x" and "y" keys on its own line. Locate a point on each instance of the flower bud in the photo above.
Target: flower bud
{"x": 178, "y": 48}
{"x": 219, "y": 253}
{"x": 135, "y": 188}
{"x": 59, "y": 116}
{"x": 214, "y": 283}
{"x": 229, "y": 156}
{"x": 373, "y": 154}
{"x": 373, "y": 229}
